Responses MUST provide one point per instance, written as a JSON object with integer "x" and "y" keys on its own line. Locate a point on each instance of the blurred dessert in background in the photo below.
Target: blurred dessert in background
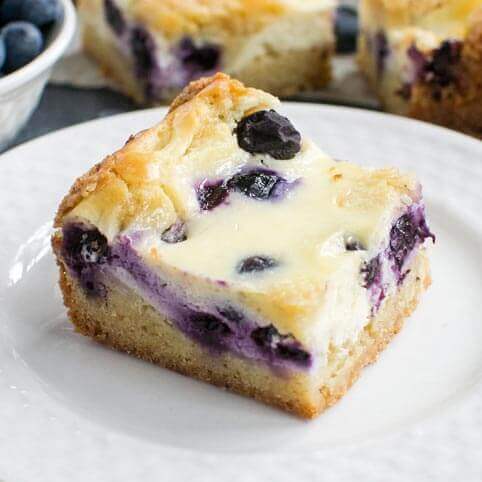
{"x": 424, "y": 59}
{"x": 153, "y": 48}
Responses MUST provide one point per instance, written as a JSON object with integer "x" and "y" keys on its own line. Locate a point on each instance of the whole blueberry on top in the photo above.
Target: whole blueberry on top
{"x": 256, "y": 263}
{"x": 346, "y": 29}
{"x": 267, "y": 132}
{"x": 257, "y": 184}
{"x": 23, "y": 42}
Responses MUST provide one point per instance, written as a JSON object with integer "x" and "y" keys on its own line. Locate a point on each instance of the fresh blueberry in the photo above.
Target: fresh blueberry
{"x": 23, "y": 42}
{"x": 10, "y": 10}
{"x": 371, "y": 272}
{"x": 211, "y": 194}
{"x": 175, "y": 233}
{"x": 256, "y": 263}
{"x": 114, "y": 17}
{"x": 3, "y": 53}
{"x": 200, "y": 59}
{"x": 255, "y": 184}
{"x": 40, "y": 12}
{"x": 352, "y": 243}
{"x": 267, "y": 132}
{"x": 346, "y": 29}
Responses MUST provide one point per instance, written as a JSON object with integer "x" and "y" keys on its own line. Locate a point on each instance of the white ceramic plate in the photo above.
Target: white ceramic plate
{"x": 71, "y": 410}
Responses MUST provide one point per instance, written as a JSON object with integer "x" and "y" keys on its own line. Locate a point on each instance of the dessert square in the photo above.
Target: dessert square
{"x": 153, "y": 48}
{"x": 424, "y": 59}
{"x": 224, "y": 245}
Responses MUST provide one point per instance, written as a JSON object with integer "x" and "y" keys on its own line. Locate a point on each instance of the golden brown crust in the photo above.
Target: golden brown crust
{"x": 127, "y": 166}
{"x": 157, "y": 342}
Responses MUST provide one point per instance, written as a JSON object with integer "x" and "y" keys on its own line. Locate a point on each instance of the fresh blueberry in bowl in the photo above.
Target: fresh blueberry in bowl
{"x": 23, "y": 42}
{"x": 33, "y": 36}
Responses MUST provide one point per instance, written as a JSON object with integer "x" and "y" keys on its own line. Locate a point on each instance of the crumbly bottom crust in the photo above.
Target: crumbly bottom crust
{"x": 127, "y": 323}
{"x": 279, "y": 73}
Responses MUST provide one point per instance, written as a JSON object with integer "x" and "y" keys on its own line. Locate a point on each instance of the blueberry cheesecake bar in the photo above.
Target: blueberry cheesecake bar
{"x": 153, "y": 48}
{"x": 424, "y": 59}
{"x": 224, "y": 245}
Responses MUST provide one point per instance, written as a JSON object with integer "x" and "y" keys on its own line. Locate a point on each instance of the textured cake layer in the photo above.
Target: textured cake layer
{"x": 126, "y": 321}
{"x": 424, "y": 59}
{"x": 154, "y": 48}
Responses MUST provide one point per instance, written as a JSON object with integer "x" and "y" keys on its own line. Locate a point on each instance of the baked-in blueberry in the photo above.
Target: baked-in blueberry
{"x": 176, "y": 233}
{"x": 143, "y": 49}
{"x": 198, "y": 59}
{"x": 257, "y": 184}
{"x": 381, "y": 50}
{"x": 211, "y": 194}
{"x": 346, "y": 29}
{"x": 114, "y": 17}
{"x": 403, "y": 237}
{"x": 267, "y": 132}
{"x": 352, "y": 243}
{"x": 371, "y": 271}
{"x": 210, "y": 324}
{"x": 440, "y": 70}
{"x": 23, "y": 42}
{"x": 83, "y": 246}
{"x": 231, "y": 313}
{"x": 270, "y": 340}
{"x": 265, "y": 336}
{"x": 256, "y": 263}
{"x": 291, "y": 352}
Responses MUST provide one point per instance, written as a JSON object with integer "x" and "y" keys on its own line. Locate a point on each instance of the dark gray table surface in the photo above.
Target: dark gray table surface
{"x": 66, "y": 106}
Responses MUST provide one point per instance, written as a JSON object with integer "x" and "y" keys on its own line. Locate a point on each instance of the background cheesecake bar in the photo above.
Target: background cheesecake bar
{"x": 153, "y": 48}
{"x": 224, "y": 245}
{"x": 424, "y": 58}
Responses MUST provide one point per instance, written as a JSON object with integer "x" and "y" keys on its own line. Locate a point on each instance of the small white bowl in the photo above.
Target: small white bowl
{"x": 21, "y": 90}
